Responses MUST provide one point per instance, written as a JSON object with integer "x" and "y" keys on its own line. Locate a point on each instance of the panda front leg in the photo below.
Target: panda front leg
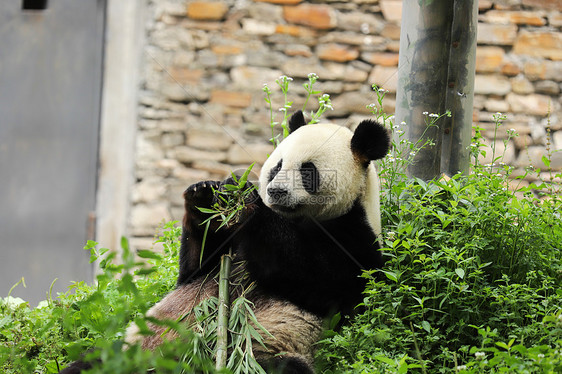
{"x": 195, "y": 259}
{"x": 193, "y": 262}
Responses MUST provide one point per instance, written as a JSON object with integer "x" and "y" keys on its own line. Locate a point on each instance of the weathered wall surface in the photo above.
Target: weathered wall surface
{"x": 202, "y": 111}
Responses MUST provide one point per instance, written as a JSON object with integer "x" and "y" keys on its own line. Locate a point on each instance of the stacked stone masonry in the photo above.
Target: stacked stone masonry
{"x": 202, "y": 111}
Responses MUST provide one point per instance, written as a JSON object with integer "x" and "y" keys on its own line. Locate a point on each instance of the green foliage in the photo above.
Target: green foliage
{"x": 200, "y": 340}
{"x": 472, "y": 281}
{"x": 324, "y": 103}
{"x": 46, "y": 338}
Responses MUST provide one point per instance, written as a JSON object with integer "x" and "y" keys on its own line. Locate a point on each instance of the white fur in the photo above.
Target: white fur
{"x": 371, "y": 202}
{"x": 342, "y": 178}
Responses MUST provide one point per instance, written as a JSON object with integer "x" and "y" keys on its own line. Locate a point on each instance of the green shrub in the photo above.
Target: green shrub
{"x": 472, "y": 280}
{"x": 46, "y": 338}
{"x": 463, "y": 256}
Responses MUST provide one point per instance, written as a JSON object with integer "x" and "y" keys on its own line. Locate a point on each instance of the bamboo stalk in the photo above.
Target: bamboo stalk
{"x": 222, "y": 323}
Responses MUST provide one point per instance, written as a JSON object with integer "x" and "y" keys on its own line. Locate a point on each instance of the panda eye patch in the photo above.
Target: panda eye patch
{"x": 310, "y": 177}
{"x": 273, "y": 172}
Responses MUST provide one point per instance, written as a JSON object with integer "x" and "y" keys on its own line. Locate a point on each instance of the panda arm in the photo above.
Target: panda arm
{"x": 196, "y": 260}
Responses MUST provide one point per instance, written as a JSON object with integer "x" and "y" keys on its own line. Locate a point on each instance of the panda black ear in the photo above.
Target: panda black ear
{"x": 370, "y": 141}
{"x": 296, "y": 121}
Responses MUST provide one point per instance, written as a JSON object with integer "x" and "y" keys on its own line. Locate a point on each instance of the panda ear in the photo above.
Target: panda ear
{"x": 296, "y": 121}
{"x": 370, "y": 141}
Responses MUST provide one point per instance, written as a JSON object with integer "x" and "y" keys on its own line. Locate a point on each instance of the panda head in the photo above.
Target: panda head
{"x": 321, "y": 170}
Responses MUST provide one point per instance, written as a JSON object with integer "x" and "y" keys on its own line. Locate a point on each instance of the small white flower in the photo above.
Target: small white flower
{"x": 391, "y": 235}
{"x": 479, "y": 355}
{"x": 312, "y": 75}
{"x": 382, "y": 90}
{"x": 434, "y": 115}
{"x": 425, "y": 113}
{"x": 403, "y": 123}
{"x": 461, "y": 367}
{"x": 540, "y": 355}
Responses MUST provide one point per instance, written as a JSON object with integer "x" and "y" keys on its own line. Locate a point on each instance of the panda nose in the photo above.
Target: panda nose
{"x": 277, "y": 193}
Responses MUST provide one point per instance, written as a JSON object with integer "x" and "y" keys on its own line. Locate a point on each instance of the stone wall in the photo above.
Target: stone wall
{"x": 202, "y": 109}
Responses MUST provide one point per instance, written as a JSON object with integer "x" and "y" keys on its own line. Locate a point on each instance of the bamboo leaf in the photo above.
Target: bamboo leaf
{"x": 244, "y": 178}
{"x": 203, "y": 242}
{"x": 206, "y": 210}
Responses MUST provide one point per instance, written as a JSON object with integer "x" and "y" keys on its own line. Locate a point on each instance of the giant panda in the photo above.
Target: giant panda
{"x": 303, "y": 238}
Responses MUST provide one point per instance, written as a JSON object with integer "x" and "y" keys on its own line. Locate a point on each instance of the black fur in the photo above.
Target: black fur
{"x": 297, "y": 120}
{"x": 76, "y": 367}
{"x": 310, "y": 177}
{"x": 287, "y": 365}
{"x": 200, "y": 195}
{"x": 315, "y": 265}
{"x": 370, "y": 141}
{"x": 273, "y": 172}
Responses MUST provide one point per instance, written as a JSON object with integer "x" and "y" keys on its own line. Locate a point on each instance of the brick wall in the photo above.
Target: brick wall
{"x": 201, "y": 106}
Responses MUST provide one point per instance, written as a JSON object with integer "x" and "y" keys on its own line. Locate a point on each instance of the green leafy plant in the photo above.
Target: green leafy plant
{"x": 44, "y": 339}
{"x": 402, "y": 151}
{"x": 473, "y": 276}
{"x": 324, "y": 103}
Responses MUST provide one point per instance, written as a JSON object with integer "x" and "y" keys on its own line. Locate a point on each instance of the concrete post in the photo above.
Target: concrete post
{"x": 433, "y": 68}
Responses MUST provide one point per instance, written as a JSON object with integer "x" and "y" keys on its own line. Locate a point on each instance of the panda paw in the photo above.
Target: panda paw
{"x": 200, "y": 195}
{"x": 204, "y": 195}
